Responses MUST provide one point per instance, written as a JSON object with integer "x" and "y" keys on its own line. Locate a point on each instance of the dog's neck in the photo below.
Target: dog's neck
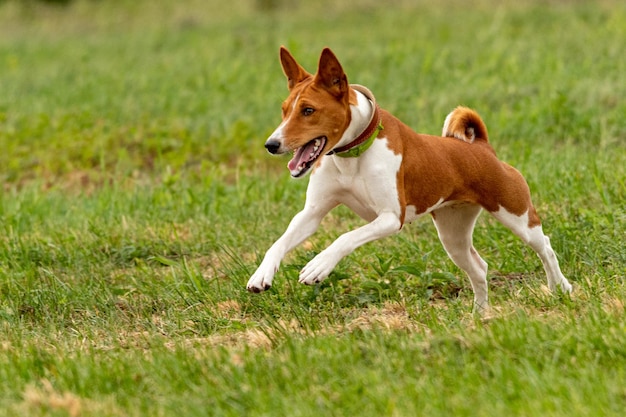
{"x": 361, "y": 116}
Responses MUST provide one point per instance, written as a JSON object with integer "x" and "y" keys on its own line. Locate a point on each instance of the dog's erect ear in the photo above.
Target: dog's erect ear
{"x": 294, "y": 72}
{"x": 330, "y": 74}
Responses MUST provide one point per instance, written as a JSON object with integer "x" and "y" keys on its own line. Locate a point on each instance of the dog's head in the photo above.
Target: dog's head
{"x": 315, "y": 114}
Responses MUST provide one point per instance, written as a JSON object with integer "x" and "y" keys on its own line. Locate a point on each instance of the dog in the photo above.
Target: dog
{"x": 363, "y": 157}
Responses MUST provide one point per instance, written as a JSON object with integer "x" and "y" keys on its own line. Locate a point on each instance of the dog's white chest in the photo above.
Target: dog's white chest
{"x": 367, "y": 184}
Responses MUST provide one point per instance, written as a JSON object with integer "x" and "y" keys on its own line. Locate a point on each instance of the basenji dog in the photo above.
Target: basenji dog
{"x": 365, "y": 158}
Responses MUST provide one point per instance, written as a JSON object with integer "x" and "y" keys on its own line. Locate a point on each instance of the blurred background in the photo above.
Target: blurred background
{"x": 121, "y": 88}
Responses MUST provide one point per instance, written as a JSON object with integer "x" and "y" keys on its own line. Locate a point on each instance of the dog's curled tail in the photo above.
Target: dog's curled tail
{"x": 465, "y": 124}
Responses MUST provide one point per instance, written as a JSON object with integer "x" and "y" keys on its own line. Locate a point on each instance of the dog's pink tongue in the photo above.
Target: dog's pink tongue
{"x": 300, "y": 158}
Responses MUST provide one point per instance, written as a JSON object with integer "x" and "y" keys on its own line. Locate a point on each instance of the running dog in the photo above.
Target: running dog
{"x": 363, "y": 157}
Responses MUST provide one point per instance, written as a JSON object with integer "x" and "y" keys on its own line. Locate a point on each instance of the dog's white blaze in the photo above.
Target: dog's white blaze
{"x": 277, "y": 134}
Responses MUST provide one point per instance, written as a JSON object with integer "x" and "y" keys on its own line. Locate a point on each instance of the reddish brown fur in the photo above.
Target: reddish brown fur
{"x": 443, "y": 167}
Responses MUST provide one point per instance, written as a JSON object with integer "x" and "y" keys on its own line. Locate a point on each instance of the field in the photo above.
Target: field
{"x": 136, "y": 199}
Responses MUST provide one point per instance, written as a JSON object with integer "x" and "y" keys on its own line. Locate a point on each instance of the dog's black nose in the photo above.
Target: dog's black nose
{"x": 272, "y": 146}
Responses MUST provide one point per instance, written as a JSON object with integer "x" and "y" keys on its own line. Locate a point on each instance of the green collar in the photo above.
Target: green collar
{"x": 365, "y": 139}
{"x": 357, "y": 150}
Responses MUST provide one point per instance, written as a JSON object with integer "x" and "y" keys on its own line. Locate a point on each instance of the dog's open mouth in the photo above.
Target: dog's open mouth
{"x": 305, "y": 156}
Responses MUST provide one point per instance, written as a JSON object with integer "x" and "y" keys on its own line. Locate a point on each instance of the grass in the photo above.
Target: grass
{"x": 137, "y": 199}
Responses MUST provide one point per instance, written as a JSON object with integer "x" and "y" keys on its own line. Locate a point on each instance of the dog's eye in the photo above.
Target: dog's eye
{"x": 307, "y": 111}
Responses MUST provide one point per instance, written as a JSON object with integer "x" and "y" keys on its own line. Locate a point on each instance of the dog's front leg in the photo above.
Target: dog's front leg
{"x": 303, "y": 225}
{"x": 321, "y": 266}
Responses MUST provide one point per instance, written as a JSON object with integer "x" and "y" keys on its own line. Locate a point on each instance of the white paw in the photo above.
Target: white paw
{"x": 566, "y": 287}
{"x": 482, "y": 308}
{"x": 317, "y": 270}
{"x": 261, "y": 280}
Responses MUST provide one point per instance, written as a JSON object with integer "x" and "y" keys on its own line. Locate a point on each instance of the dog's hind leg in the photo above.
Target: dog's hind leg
{"x": 455, "y": 225}
{"x": 533, "y": 236}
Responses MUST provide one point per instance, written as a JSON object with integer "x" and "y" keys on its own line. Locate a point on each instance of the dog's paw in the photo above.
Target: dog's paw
{"x": 311, "y": 279}
{"x": 563, "y": 286}
{"x": 317, "y": 270}
{"x": 261, "y": 280}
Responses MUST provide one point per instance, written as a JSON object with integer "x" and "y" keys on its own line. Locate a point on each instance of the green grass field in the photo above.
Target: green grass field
{"x": 136, "y": 199}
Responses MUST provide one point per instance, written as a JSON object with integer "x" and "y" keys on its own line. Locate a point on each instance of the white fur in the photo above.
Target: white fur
{"x": 446, "y": 124}
{"x": 361, "y": 115}
{"x": 455, "y": 225}
{"x": 540, "y": 243}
